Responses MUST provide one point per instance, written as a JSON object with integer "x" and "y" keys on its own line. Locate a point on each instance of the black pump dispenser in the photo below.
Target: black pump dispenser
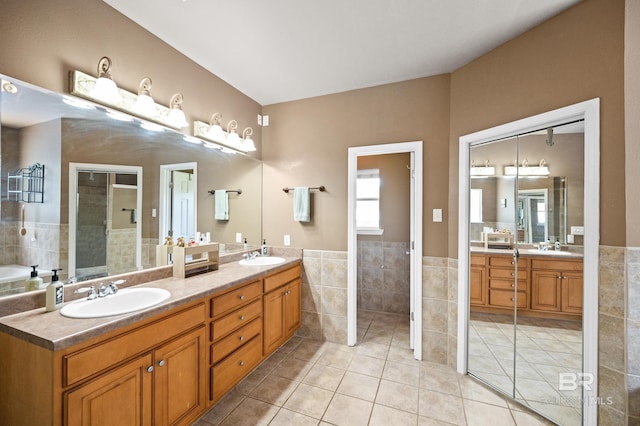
{"x": 34, "y": 273}
{"x": 55, "y": 275}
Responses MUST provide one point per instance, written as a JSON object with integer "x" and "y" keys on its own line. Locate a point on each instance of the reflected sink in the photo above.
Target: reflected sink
{"x": 551, "y": 252}
{"x": 262, "y": 261}
{"x": 124, "y": 301}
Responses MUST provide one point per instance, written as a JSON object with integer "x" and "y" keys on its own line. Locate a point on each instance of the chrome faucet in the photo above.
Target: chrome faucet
{"x": 251, "y": 256}
{"x": 91, "y": 292}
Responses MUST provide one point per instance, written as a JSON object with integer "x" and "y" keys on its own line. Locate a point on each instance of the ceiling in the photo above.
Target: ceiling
{"x": 282, "y": 50}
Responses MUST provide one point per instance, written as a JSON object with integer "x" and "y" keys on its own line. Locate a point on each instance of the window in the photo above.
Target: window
{"x": 368, "y": 202}
{"x": 475, "y": 205}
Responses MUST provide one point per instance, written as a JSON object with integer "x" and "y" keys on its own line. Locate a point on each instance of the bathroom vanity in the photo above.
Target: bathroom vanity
{"x": 165, "y": 365}
{"x": 549, "y": 284}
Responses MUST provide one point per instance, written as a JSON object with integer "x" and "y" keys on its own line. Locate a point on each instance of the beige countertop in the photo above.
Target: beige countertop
{"x": 53, "y": 331}
{"x": 530, "y": 252}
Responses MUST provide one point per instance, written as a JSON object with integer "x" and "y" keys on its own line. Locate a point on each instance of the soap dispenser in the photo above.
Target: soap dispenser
{"x": 35, "y": 282}
{"x": 557, "y": 245}
{"x": 245, "y": 244}
{"x": 264, "y": 247}
{"x": 55, "y": 293}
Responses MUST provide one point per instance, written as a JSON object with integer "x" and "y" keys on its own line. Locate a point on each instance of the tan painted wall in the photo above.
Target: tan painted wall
{"x": 394, "y": 195}
{"x": 307, "y": 143}
{"x": 575, "y": 56}
{"x": 43, "y": 40}
{"x": 632, "y": 119}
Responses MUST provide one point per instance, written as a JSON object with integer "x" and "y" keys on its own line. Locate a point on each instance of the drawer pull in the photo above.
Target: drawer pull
{"x": 513, "y": 274}
{"x": 241, "y": 363}
{"x": 513, "y": 285}
{"x": 241, "y": 338}
{"x": 513, "y": 299}
{"x": 241, "y": 297}
{"x": 150, "y": 369}
{"x": 241, "y": 317}
{"x": 161, "y": 363}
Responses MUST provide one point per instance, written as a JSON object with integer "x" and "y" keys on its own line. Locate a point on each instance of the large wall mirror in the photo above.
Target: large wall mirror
{"x": 527, "y": 255}
{"x": 42, "y": 127}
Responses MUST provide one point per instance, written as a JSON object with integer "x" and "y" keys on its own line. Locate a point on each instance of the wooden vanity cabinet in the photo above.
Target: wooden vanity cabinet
{"x": 235, "y": 337}
{"x": 557, "y": 285}
{"x": 163, "y": 385}
{"x": 478, "y": 280}
{"x": 282, "y": 307}
{"x": 502, "y": 281}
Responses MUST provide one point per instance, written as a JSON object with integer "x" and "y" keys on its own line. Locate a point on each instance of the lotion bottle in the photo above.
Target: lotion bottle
{"x": 55, "y": 293}
{"x": 245, "y": 244}
{"x": 264, "y": 247}
{"x": 35, "y": 282}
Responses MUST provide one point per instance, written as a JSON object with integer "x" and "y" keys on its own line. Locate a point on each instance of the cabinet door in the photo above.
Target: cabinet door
{"x": 121, "y": 397}
{"x": 572, "y": 283}
{"x": 179, "y": 390}
{"x": 545, "y": 290}
{"x": 477, "y": 286}
{"x": 292, "y": 307}
{"x": 273, "y": 326}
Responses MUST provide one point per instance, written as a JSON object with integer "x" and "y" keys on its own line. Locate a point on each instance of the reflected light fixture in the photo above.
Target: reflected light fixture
{"x": 215, "y": 132}
{"x": 105, "y": 88}
{"x": 8, "y": 87}
{"x": 192, "y": 139}
{"x": 176, "y": 116}
{"x": 145, "y": 104}
{"x": 233, "y": 139}
{"x": 248, "y": 143}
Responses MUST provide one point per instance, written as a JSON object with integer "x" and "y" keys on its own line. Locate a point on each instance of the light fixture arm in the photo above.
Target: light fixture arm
{"x": 232, "y": 125}
{"x": 104, "y": 68}
{"x": 215, "y": 118}
{"x": 247, "y": 132}
{"x": 145, "y": 87}
{"x": 176, "y": 101}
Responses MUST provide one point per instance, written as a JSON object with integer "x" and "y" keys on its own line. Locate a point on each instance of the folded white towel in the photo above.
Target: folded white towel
{"x": 301, "y": 204}
{"x": 221, "y": 204}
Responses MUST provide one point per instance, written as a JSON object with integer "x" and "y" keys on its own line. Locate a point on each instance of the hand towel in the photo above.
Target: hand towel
{"x": 301, "y": 204}
{"x": 221, "y": 204}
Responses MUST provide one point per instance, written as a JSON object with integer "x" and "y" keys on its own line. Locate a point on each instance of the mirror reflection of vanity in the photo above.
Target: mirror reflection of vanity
{"x": 525, "y": 298}
{"x": 39, "y": 127}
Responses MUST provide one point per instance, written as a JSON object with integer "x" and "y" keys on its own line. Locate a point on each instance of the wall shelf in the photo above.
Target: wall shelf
{"x": 27, "y": 184}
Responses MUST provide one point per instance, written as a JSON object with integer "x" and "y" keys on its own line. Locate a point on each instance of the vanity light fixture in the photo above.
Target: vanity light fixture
{"x": 119, "y": 116}
{"x": 482, "y": 171}
{"x": 192, "y": 139}
{"x": 233, "y": 139}
{"x": 215, "y": 132}
{"x": 541, "y": 170}
{"x": 105, "y": 88}
{"x": 74, "y": 102}
{"x": 248, "y": 143}
{"x": 145, "y": 105}
{"x": 8, "y": 87}
{"x": 151, "y": 126}
{"x": 176, "y": 116}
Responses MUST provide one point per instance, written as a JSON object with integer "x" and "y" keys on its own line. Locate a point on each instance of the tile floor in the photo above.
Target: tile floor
{"x": 377, "y": 382}
{"x": 545, "y": 349}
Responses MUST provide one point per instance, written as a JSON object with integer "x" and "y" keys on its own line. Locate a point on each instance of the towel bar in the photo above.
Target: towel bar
{"x": 320, "y": 188}
{"x": 213, "y": 191}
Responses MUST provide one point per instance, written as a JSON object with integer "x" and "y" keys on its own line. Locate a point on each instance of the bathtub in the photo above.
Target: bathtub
{"x": 13, "y": 277}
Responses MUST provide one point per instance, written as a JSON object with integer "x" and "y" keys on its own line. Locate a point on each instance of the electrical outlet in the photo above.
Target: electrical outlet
{"x": 570, "y": 239}
{"x": 287, "y": 240}
{"x": 577, "y": 230}
{"x": 238, "y": 237}
{"x": 154, "y": 213}
{"x": 265, "y": 120}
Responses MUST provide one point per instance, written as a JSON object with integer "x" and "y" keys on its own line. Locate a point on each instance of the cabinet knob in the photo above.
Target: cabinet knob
{"x": 150, "y": 369}
{"x": 241, "y": 317}
{"x": 559, "y": 277}
{"x": 241, "y": 338}
{"x": 513, "y": 299}
{"x": 513, "y": 274}
{"x": 161, "y": 363}
{"x": 513, "y": 285}
{"x": 241, "y": 297}
{"x": 241, "y": 363}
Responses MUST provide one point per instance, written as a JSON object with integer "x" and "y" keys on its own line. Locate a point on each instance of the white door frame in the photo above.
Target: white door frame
{"x": 165, "y": 177}
{"x": 74, "y": 168}
{"x": 590, "y": 112}
{"x": 415, "y": 149}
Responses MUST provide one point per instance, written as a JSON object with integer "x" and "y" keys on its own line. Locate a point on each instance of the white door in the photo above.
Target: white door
{"x": 183, "y": 206}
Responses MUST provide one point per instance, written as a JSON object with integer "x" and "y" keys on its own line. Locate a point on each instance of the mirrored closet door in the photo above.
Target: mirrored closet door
{"x": 526, "y": 222}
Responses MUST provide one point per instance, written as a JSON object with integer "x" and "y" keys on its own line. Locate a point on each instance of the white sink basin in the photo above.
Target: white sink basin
{"x": 262, "y": 261}
{"x": 124, "y": 301}
{"x": 550, "y": 252}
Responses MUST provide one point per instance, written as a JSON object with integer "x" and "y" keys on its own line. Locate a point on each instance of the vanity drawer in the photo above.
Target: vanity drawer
{"x": 507, "y": 273}
{"x": 235, "y": 298}
{"x": 227, "y": 373}
{"x": 507, "y": 284}
{"x": 87, "y": 362}
{"x": 238, "y": 318}
{"x": 233, "y": 341}
{"x": 505, "y": 298}
{"x": 506, "y": 261}
{"x": 478, "y": 259}
{"x": 557, "y": 265}
{"x": 281, "y": 278}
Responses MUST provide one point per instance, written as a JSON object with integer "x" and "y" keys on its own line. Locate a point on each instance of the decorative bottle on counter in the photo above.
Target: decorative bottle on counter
{"x": 34, "y": 282}
{"x": 55, "y": 293}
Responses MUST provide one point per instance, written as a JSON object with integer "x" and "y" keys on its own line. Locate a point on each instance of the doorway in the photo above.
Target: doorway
{"x": 178, "y": 201}
{"x": 414, "y": 149}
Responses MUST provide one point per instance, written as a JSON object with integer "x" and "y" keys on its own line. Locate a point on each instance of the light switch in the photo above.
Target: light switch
{"x": 577, "y": 230}
{"x": 570, "y": 239}
{"x": 154, "y": 213}
{"x": 238, "y": 237}
{"x": 287, "y": 240}
{"x": 437, "y": 215}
